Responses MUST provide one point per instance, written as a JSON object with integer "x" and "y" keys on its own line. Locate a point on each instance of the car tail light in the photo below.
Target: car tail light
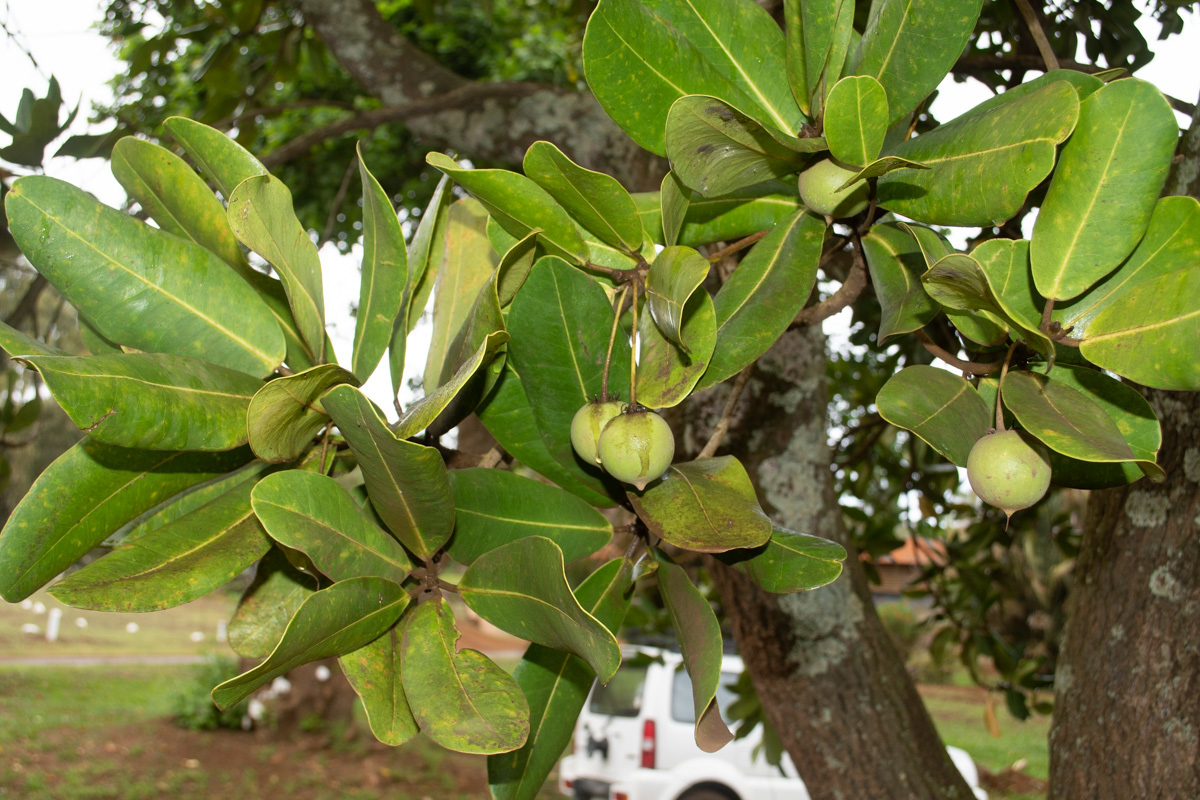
{"x": 620, "y": 796}
{"x": 649, "y": 744}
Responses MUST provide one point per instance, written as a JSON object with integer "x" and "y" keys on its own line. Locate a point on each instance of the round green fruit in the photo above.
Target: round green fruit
{"x": 1007, "y": 471}
{"x": 637, "y": 447}
{"x": 586, "y": 426}
{"x": 819, "y": 190}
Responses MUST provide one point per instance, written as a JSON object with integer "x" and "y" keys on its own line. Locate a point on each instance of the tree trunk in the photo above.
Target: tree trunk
{"x": 829, "y": 679}
{"x": 1127, "y": 690}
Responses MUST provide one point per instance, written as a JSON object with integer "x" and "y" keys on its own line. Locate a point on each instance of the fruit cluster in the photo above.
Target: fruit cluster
{"x": 632, "y": 443}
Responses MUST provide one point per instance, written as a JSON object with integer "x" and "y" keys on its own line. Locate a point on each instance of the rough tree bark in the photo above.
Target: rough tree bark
{"x": 829, "y": 678}
{"x": 1127, "y": 690}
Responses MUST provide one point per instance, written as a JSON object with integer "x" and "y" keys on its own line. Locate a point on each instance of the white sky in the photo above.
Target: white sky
{"x": 60, "y": 36}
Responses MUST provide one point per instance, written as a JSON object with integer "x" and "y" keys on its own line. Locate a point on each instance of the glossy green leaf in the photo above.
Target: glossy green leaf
{"x": 1064, "y": 419}
{"x": 879, "y": 167}
{"x": 422, "y": 274}
{"x": 460, "y": 699}
{"x": 330, "y": 622}
{"x": 374, "y": 672}
{"x": 225, "y": 162}
{"x": 95, "y": 343}
{"x": 596, "y": 201}
{"x": 813, "y": 62}
{"x": 507, "y": 415}
{"x": 519, "y": 205}
{"x": 895, "y": 262}
{"x": 938, "y": 406}
{"x": 495, "y": 507}
{"x": 833, "y": 58}
{"x": 286, "y": 413}
{"x": 515, "y": 266}
{"x": 982, "y": 166}
{"x": 312, "y": 513}
{"x": 675, "y": 274}
{"x": 181, "y": 561}
{"x": 268, "y": 604}
{"x": 176, "y": 198}
{"x": 764, "y": 294}
{"x": 153, "y": 401}
{"x": 384, "y": 276}
{"x": 1102, "y": 195}
{"x": 699, "y": 636}
{"x": 1171, "y": 242}
{"x": 910, "y": 45}
{"x": 640, "y": 56}
{"x": 666, "y": 375}
{"x": 856, "y": 119}
{"x": 1149, "y": 333}
{"x": 707, "y": 505}
{"x": 556, "y": 685}
{"x": 560, "y": 322}
{"x": 105, "y": 263}
{"x": 86, "y": 494}
{"x": 674, "y": 199}
{"x": 716, "y": 149}
{"x": 262, "y": 218}
{"x": 957, "y": 281}
{"x": 1083, "y": 83}
{"x": 521, "y": 588}
{"x": 1005, "y": 264}
{"x": 17, "y": 343}
{"x": 789, "y": 561}
{"x": 421, "y": 414}
{"x": 717, "y": 219}
{"x": 407, "y": 482}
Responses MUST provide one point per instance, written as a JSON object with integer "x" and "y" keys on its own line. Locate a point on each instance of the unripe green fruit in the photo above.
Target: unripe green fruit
{"x": 819, "y": 190}
{"x": 1007, "y": 471}
{"x": 586, "y": 426}
{"x": 637, "y": 447}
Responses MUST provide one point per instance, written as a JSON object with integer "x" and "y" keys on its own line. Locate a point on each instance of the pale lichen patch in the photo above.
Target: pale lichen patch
{"x": 1163, "y": 584}
{"x": 1146, "y": 509}
{"x": 825, "y": 625}
{"x": 1191, "y": 464}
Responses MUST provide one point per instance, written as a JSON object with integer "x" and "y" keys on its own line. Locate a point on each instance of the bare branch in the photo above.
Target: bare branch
{"x": 1039, "y": 35}
{"x": 847, "y": 293}
{"x": 722, "y": 428}
{"x": 972, "y": 367}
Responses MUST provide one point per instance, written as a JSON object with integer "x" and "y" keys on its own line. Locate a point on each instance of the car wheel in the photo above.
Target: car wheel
{"x": 707, "y": 794}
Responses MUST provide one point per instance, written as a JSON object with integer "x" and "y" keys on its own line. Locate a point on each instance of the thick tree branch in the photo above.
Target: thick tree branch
{"x": 847, "y": 293}
{"x": 1039, "y": 34}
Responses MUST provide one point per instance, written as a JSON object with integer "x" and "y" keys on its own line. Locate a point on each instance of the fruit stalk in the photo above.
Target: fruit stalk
{"x": 612, "y": 338}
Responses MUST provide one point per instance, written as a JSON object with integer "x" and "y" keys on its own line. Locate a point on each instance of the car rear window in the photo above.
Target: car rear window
{"x": 622, "y": 697}
{"x": 683, "y": 709}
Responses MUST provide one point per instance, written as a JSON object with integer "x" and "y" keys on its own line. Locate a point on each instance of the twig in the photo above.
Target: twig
{"x": 1054, "y": 329}
{"x": 1039, "y": 35}
{"x": 847, "y": 293}
{"x": 338, "y": 199}
{"x": 1000, "y": 387}
{"x": 633, "y": 347}
{"x": 28, "y": 302}
{"x": 612, "y": 338}
{"x": 971, "y": 367}
{"x": 270, "y": 111}
{"x": 740, "y": 244}
{"x": 722, "y": 428}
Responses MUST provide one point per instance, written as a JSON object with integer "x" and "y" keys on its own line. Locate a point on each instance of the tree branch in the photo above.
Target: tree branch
{"x": 847, "y": 293}
{"x": 1039, "y": 35}
{"x": 714, "y": 441}
{"x": 972, "y": 367}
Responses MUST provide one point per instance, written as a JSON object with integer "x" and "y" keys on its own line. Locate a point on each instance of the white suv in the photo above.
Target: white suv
{"x": 634, "y": 741}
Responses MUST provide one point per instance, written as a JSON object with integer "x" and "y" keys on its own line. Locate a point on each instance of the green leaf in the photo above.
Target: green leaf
{"x": 666, "y": 375}
{"x": 312, "y": 513}
{"x": 331, "y": 622}
{"x": 764, "y": 294}
{"x": 460, "y": 698}
{"x": 1083, "y": 83}
{"x": 95, "y": 343}
{"x": 456, "y": 391}
{"x": 673, "y": 277}
{"x": 508, "y": 417}
{"x": 699, "y": 636}
{"x": 556, "y": 685}
{"x": 982, "y": 166}
{"x": 422, "y": 274}
{"x": 466, "y": 262}
{"x": 268, "y": 603}
{"x": 1148, "y": 333}
{"x": 176, "y": 198}
{"x": 151, "y": 400}
{"x": 1064, "y": 419}
{"x": 674, "y": 199}
{"x": 827, "y": 61}
{"x": 407, "y": 482}
{"x": 1171, "y": 242}
{"x": 1005, "y": 264}
{"x": 286, "y": 413}
{"x": 1102, "y": 195}
{"x": 16, "y": 343}
{"x": 640, "y": 56}
{"x": 597, "y": 201}
{"x": 910, "y": 45}
{"x": 181, "y": 561}
{"x": 519, "y": 205}
{"x": 560, "y": 322}
{"x": 498, "y": 587}
{"x": 515, "y": 265}
{"x": 384, "y": 276}
{"x": 83, "y": 496}
{"x": 374, "y": 672}
{"x": 879, "y": 167}
{"x": 895, "y": 262}
{"x": 716, "y": 149}
{"x": 262, "y": 218}
{"x": 224, "y": 161}
{"x": 957, "y": 281}
{"x": 938, "y": 406}
{"x": 495, "y": 507}
{"x": 106, "y": 263}
{"x": 856, "y": 119}
{"x": 789, "y": 561}
{"x": 707, "y": 505}
{"x": 718, "y": 219}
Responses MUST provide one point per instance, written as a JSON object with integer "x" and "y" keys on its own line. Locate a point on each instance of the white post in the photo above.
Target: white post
{"x": 52, "y": 624}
